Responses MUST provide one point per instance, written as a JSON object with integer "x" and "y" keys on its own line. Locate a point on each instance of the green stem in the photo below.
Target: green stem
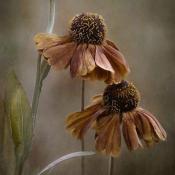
{"x": 82, "y": 141}
{"x": 42, "y": 68}
{"x": 51, "y": 18}
{"x": 36, "y": 90}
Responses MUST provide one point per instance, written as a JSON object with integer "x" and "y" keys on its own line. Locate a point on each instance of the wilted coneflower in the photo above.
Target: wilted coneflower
{"x": 85, "y": 49}
{"x": 118, "y": 105}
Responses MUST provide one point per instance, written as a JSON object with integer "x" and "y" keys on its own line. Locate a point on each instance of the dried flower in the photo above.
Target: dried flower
{"x": 117, "y": 106}
{"x": 85, "y": 49}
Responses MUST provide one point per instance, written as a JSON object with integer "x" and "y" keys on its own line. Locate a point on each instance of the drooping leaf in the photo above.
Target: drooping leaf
{"x": 63, "y": 158}
{"x": 20, "y": 118}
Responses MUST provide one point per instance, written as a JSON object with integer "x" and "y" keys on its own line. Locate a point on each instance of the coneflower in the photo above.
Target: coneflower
{"x": 117, "y": 106}
{"x": 85, "y": 49}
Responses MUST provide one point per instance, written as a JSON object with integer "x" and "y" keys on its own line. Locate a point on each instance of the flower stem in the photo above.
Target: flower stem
{"x": 82, "y": 141}
{"x": 42, "y": 67}
{"x": 36, "y": 90}
{"x": 110, "y": 165}
{"x": 51, "y": 18}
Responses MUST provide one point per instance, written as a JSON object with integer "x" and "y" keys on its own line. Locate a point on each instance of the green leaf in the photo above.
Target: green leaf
{"x": 7, "y": 158}
{"x": 20, "y": 117}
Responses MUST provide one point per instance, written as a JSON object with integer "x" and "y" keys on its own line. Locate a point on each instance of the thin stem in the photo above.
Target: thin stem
{"x": 51, "y": 18}
{"x": 39, "y": 78}
{"x": 36, "y": 94}
{"x": 82, "y": 141}
{"x": 110, "y": 165}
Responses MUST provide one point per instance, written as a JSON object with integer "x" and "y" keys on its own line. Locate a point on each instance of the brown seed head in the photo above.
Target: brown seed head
{"x": 88, "y": 28}
{"x": 121, "y": 97}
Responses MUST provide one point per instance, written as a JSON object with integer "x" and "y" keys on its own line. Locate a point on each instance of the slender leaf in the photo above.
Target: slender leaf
{"x": 7, "y": 158}
{"x": 19, "y": 113}
{"x": 65, "y": 157}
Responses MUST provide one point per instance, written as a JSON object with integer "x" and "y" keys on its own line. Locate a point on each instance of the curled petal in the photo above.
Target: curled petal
{"x": 46, "y": 40}
{"x": 108, "y": 137}
{"x": 97, "y": 99}
{"x": 88, "y": 58}
{"x": 82, "y": 61}
{"x": 117, "y": 59}
{"x": 102, "y": 61}
{"x": 144, "y": 129}
{"x": 78, "y": 123}
{"x": 59, "y": 56}
{"x": 100, "y": 74}
{"x": 76, "y": 60}
{"x": 109, "y": 42}
{"x": 130, "y": 133}
{"x": 158, "y": 133}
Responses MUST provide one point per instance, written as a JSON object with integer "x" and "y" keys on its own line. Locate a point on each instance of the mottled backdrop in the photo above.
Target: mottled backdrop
{"x": 143, "y": 29}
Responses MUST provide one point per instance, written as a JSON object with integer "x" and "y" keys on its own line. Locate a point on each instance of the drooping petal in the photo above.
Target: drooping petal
{"x": 97, "y": 99}
{"x": 102, "y": 61}
{"x": 78, "y": 123}
{"x": 144, "y": 129}
{"x": 158, "y": 133}
{"x": 117, "y": 59}
{"x": 129, "y": 132}
{"x": 82, "y": 61}
{"x": 88, "y": 60}
{"x": 76, "y": 60}
{"x": 59, "y": 56}
{"x": 100, "y": 74}
{"x": 108, "y": 136}
{"x": 46, "y": 40}
{"x": 109, "y": 42}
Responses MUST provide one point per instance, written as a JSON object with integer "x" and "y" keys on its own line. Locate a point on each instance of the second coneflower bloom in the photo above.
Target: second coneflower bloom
{"x": 118, "y": 106}
{"x": 85, "y": 49}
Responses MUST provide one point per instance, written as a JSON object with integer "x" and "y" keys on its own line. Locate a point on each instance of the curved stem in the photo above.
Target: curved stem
{"x": 82, "y": 141}
{"x": 110, "y": 165}
{"x": 42, "y": 66}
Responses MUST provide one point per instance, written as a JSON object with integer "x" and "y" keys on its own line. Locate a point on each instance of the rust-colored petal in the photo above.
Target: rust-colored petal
{"x": 100, "y": 74}
{"x": 59, "y": 56}
{"x": 144, "y": 128}
{"x": 109, "y": 42}
{"x": 82, "y": 61}
{"x": 97, "y": 99}
{"x": 88, "y": 59}
{"x": 157, "y": 129}
{"x": 117, "y": 59}
{"x": 76, "y": 60}
{"x": 47, "y": 40}
{"x": 78, "y": 123}
{"x": 108, "y": 136}
{"x": 102, "y": 61}
{"x": 129, "y": 132}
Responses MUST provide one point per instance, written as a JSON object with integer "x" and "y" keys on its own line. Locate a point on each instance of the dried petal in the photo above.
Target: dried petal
{"x": 97, "y": 99}
{"x": 102, "y": 61}
{"x": 76, "y": 60}
{"x": 116, "y": 59}
{"x": 46, "y": 40}
{"x": 156, "y": 127}
{"x": 59, "y": 56}
{"x": 109, "y": 42}
{"x": 100, "y": 74}
{"x": 144, "y": 127}
{"x": 78, "y": 123}
{"x": 108, "y": 137}
{"x": 130, "y": 133}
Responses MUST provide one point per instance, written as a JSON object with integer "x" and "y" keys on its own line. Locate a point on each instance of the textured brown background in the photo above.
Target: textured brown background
{"x": 143, "y": 29}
